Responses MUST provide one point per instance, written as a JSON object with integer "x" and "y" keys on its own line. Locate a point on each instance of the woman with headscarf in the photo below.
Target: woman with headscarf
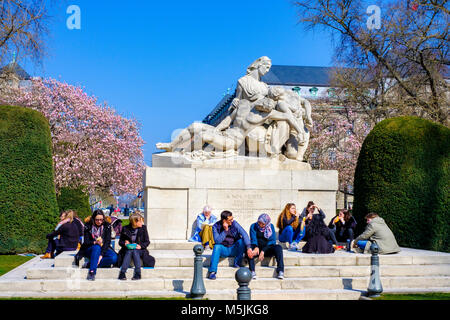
{"x": 264, "y": 244}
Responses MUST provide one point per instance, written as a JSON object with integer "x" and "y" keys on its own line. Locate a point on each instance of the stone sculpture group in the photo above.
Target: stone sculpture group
{"x": 262, "y": 122}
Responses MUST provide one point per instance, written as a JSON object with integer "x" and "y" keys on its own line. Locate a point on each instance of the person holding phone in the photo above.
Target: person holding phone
{"x": 97, "y": 244}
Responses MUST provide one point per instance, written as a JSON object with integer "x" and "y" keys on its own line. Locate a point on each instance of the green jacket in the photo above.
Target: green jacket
{"x": 377, "y": 231}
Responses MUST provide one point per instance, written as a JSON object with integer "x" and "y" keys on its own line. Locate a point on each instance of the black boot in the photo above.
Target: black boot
{"x": 136, "y": 276}
{"x": 122, "y": 276}
{"x": 91, "y": 276}
{"x": 77, "y": 260}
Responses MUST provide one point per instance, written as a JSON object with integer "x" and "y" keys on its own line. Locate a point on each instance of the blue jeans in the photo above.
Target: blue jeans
{"x": 93, "y": 253}
{"x": 55, "y": 245}
{"x": 131, "y": 254}
{"x": 290, "y": 235}
{"x": 362, "y": 244}
{"x": 220, "y": 251}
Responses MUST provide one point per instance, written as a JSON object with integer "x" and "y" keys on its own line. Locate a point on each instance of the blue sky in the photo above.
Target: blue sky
{"x": 168, "y": 64}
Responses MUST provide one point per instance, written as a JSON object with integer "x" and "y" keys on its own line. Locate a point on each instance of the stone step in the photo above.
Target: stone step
{"x": 171, "y": 245}
{"x": 184, "y": 285}
{"x": 264, "y": 272}
{"x": 185, "y": 258}
{"x": 186, "y": 245}
{"x": 210, "y": 295}
{"x": 222, "y": 294}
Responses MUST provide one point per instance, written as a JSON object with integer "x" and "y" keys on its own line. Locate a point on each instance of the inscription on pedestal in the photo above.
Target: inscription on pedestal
{"x": 244, "y": 201}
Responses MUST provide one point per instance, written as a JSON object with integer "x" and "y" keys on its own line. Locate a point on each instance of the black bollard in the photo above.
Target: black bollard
{"x": 198, "y": 287}
{"x": 375, "y": 288}
{"x": 243, "y": 276}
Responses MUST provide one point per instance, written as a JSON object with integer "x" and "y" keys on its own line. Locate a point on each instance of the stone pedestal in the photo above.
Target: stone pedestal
{"x": 175, "y": 196}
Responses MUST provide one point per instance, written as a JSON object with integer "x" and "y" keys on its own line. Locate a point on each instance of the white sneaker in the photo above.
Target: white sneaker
{"x": 280, "y": 275}
{"x": 253, "y": 275}
{"x": 293, "y": 246}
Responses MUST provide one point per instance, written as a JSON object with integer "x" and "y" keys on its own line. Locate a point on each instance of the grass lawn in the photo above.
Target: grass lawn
{"x": 416, "y": 296}
{"x": 9, "y": 262}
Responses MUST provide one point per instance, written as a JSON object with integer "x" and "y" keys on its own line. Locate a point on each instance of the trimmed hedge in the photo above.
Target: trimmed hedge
{"x": 75, "y": 199}
{"x": 28, "y": 207}
{"x": 403, "y": 175}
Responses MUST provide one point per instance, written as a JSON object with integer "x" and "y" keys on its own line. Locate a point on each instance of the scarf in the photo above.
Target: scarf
{"x": 267, "y": 230}
{"x": 96, "y": 231}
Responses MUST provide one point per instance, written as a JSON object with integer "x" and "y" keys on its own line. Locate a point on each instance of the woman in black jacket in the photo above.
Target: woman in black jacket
{"x": 64, "y": 238}
{"x": 97, "y": 244}
{"x": 134, "y": 241}
{"x": 343, "y": 226}
{"x": 318, "y": 237}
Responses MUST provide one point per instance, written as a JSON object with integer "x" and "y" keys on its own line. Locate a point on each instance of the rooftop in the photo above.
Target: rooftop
{"x": 298, "y": 76}
{"x": 306, "y": 76}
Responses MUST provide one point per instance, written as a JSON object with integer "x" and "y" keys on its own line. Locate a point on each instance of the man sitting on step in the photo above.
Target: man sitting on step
{"x": 230, "y": 241}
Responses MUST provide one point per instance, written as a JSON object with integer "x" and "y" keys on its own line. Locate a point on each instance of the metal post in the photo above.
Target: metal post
{"x": 243, "y": 276}
{"x": 198, "y": 287}
{"x": 375, "y": 287}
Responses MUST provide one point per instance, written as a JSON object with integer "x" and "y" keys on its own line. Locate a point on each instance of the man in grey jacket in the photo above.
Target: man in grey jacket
{"x": 377, "y": 231}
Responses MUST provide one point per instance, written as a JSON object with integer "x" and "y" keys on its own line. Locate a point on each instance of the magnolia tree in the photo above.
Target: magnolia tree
{"x": 93, "y": 146}
{"x": 335, "y": 142}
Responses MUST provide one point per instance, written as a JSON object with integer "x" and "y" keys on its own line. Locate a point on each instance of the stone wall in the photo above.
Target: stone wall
{"x": 175, "y": 196}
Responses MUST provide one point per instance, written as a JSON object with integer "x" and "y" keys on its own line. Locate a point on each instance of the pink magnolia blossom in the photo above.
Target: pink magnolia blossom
{"x": 93, "y": 146}
{"x": 335, "y": 142}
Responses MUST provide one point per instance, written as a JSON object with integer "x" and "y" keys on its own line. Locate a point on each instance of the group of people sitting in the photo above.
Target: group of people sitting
{"x": 93, "y": 240}
{"x": 227, "y": 238}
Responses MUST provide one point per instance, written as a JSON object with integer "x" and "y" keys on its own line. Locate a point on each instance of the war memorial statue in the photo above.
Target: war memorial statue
{"x": 261, "y": 122}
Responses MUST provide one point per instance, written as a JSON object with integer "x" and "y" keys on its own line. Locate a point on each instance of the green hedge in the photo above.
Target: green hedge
{"x": 75, "y": 199}
{"x": 403, "y": 175}
{"x": 28, "y": 207}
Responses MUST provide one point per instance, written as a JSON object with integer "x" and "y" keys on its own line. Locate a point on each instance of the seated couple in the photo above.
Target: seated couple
{"x": 67, "y": 235}
{"x": 231, "y": 240}
{"x": 97, "y": 246}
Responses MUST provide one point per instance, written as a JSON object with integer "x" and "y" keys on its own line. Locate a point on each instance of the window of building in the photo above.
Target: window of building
{"x": 297, "y": 90}
{"x": 331, "y": 93}
{"x": 332, "y": 155}
{"x": 313, "y": 91}
{"x": 313, "y": 161}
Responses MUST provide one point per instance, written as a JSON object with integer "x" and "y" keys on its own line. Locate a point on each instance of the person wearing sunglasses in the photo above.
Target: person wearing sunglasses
{"x": 97, "y": 244}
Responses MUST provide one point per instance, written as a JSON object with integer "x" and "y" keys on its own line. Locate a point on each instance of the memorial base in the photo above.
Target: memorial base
{"x": 175, "y": 196}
